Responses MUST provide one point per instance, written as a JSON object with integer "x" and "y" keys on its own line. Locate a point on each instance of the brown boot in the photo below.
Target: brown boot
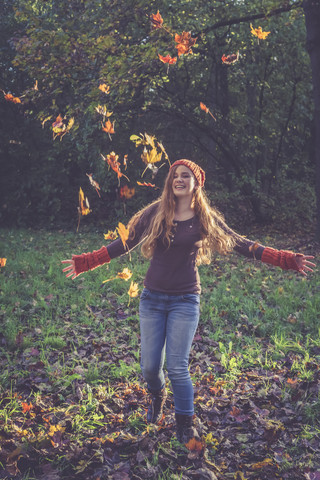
{"x": 185, "y": 428}
{"x": 155, "y": 409}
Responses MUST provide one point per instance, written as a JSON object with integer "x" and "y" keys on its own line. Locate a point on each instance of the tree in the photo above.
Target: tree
{"x": 256, "y": 148}
{"x": 312, "y": 17}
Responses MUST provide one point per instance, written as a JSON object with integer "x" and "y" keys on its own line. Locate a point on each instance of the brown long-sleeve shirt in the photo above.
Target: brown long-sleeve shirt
{"x": 173, "y": 268}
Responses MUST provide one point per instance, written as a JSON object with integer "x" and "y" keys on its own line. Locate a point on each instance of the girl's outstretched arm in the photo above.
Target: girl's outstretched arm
{"x": 86, "y": 261}
{"x": 70, "y": 268}
{"x": 304, "y": 264}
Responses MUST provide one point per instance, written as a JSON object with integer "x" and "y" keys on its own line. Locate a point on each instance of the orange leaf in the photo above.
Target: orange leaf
{"x": 123, "y": 233}
{"x": 253, "y": 248}
{"x": 108, "y": 127}
{"x": 3, "y": 262}
{"x": 156, "y": 20}
{"x": 292, "y": 382}
{"x": 112, "y": 161}
{"x": 184, "y": 43}
{"x": 204, "y": 107}
{"x": 126, "y": 192}
{"x": 10, "y": 98}
{"x": 25, "y": 407}
{"x": 145, "y": 184}
{"x": 58, "y": 122}
{"x": 229, "y": 59}
{"x": 167, "y": 59}
{"x": 194, "y": 445}
{"x": 235, "y": 411}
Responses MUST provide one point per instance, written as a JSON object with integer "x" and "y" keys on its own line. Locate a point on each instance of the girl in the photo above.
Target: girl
{"x": 178, "y": 231}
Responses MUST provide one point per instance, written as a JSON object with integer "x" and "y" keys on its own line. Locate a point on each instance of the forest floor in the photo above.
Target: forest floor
{"x": 72, "y": 397}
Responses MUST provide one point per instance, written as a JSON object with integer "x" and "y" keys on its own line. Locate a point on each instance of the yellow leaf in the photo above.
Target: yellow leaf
{"x": 123, "y": 233}
{"x": 70, "y": 124}
{"x": 55, "y": 428}
{"x": 104, "y": 88}
{"x": 153, "y": 156}
{"x": 264, "y": 463}
{"x": 125, "y": 274}
{"x": 257, "y": 32}
{"x": 133, "y": 290}
{"x": 111, "y": 235}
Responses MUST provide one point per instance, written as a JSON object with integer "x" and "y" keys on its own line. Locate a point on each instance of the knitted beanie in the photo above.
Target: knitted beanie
{"x": 195, "y": 169}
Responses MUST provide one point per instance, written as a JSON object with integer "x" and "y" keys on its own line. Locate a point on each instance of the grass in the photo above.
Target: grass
{"x": 71, "y": 350}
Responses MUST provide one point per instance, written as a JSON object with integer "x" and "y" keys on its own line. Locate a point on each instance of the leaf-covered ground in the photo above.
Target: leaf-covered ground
{"x": 72, "y": 398}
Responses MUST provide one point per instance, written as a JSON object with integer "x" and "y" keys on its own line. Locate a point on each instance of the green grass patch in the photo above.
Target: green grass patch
{"x": 72, "y": 398}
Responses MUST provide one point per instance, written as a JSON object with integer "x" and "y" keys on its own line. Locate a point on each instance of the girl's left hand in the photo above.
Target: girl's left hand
{"x": 304, "y": 264}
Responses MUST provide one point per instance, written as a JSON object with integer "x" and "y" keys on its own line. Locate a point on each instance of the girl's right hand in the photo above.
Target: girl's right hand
{"x": 70, "y": 268}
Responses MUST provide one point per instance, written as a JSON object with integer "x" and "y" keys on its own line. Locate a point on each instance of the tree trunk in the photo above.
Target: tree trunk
{"x": 312, "y": 18}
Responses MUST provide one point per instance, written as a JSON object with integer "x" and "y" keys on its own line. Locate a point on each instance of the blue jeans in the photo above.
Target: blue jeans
{"x": 168, "y": 324}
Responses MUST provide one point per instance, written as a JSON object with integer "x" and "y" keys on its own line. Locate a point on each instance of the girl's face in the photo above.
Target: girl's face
{"x": 184, "y": 182}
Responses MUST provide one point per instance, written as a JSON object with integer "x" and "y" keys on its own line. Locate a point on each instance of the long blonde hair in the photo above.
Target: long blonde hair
{"x": 214, "y": 237}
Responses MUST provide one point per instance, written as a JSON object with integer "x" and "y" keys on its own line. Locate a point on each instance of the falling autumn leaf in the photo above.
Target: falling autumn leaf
{"x": 112, "y": 161}
{"x": 133, "y": 290}
{"x": 94, "y": 183}
{"x": 184, "y": 43}
{"x": 167, "y": 59}
{"x": 253, "y": 248}
{"x": 206, "y": 109}
{"x": 46, "y": 119}
{"x": 3, "y": 262}
{"x": 111, "y": 235}
{"x": 151, "y": 156}
{"x": 108, "y": 127}
{"x": 123, "y": 233}
{"x": 126, "y": 192}
{"x": 156, "y": 20}
{"x": 60, "y": 128}
{"x": 10, "y": 98}
{"x": 257, "y": 32}
{"x": 145, "y": 184}
{"x": 229, "y": 59}
{"x": 126, "y": 274}
{"x": 84, "y": 207}
{"x": 104, "y": 88}
{"x": 102, "y": 110}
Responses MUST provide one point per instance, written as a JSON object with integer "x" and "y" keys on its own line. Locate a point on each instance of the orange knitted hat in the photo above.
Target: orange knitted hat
{"x": 195, "y": 169}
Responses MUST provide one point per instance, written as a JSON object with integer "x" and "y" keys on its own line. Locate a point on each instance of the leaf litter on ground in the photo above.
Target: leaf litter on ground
{"x": 73, "y": 401}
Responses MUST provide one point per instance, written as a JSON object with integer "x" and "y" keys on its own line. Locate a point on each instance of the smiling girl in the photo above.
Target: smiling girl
{"x": 178, "y": 232}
